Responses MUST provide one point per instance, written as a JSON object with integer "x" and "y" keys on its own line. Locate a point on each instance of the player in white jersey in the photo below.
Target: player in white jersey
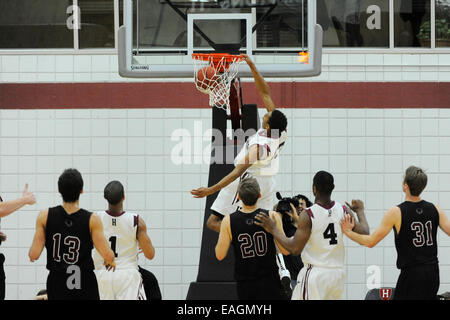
{"x": 319, "y": 239}
{"x": 257, "y": 158}
{"x": 126, "y": 233}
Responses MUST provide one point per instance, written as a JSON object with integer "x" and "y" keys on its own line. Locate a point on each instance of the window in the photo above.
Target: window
{"x": 97, "y": 24}
{"x": 442, "y": 23}
{"x": 412, "y": 23}
{"x": 354, "y": 23}
{"x": 30, "y": 24}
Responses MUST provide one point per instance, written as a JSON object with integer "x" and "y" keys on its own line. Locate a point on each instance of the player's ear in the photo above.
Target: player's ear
{"x": 81, "y": 191}
{"x": 259, "y": 197}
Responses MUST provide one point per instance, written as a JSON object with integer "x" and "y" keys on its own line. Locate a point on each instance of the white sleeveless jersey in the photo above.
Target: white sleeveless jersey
{"x": 121, "y": 232}
{"x": 269, "y": 163}
{"x": 325, "y": 247}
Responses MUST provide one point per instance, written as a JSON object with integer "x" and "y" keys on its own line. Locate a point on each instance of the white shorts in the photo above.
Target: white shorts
{"x": 316, "y": 283}
{"x": 227, "y": 200}
{"x": 125, "y": 284}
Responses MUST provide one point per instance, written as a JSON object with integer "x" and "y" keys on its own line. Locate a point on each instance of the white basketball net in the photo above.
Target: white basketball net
{"x": 218, "y": 85}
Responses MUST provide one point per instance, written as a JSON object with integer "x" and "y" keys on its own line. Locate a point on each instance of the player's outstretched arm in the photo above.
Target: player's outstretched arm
{"x": 99, "y": 241}
{"x": 293, "y": 244}
{"x": 238, "y": 171}
{"x": 39, "y": 237}
{"x": 144, "y": 240}
{"x": 361, "y": 225}
{"x": 8, "y": 207}
{"x": 224, "y": 241}
{"x": 388, "y": 222}
{"x": 261, "y": 85}
{"x": 444, "y": 222}
{"x": 279, "y": 223}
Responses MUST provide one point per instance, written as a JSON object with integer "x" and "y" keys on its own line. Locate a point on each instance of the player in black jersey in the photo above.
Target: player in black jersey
{"x": 69, "y": 234}
{"x": 415, "y": 223}
{"x": 255, "y": 270}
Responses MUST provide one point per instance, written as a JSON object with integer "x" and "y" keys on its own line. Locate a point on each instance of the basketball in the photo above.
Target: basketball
{"x": 206, "y": 78}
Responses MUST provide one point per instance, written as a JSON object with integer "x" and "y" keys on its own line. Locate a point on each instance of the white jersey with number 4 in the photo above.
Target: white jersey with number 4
{"x": 325, "y": 247}
{"x": 121, "y": 232}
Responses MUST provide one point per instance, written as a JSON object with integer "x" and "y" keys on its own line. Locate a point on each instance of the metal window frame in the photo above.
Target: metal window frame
{"x": 327, "y": 50}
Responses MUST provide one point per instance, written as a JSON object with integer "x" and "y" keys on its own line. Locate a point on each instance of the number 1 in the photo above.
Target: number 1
{"x": 113, "y": 241}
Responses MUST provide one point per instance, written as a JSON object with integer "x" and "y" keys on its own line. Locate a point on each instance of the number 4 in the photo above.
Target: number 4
{"x": 330, "y": 234}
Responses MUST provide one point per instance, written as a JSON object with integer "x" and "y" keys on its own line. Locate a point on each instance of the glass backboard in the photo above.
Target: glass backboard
{"x": 159, "y": 36}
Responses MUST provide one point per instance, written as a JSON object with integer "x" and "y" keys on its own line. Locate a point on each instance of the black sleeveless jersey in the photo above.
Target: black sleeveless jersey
{"x": 416, "y": 242}
{"x": 254, "y": 248}
{"x": 68, "y": 240}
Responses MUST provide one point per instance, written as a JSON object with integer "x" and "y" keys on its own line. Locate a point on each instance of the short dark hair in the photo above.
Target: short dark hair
{"x": 113, "y": 192}
{"x": 416, "y": 179}
{"x": 277, "y": 121}
{"x": 307, "y": 201}
{"x": 249, "y": 191}
{"x": 324, "y": 183}
{"x": 70, "y": 185}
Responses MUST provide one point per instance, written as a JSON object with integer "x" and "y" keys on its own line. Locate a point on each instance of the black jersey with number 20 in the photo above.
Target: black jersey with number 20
{"x": 254, "y": 248}
{"x": 416, "y": 242}
{"x": 68, "y": 240}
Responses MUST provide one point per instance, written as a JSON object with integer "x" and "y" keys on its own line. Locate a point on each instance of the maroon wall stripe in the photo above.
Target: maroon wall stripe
{"x": 185, "y": 95}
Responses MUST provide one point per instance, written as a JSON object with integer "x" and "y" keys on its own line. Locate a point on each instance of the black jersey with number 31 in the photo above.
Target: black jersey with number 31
{"x": 416, "y": 242}
{"x": 254, "y": 248}
{"x": 68, "y": 240}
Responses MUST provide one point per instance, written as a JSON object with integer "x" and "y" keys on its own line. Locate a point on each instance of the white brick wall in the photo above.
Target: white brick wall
{"x": 367, "y": 150}
{"x": 337, "y": 66}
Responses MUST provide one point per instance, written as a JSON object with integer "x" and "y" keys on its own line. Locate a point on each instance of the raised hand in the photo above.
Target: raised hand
{"x": 356, "y": 206}
{"x": 347, "y": 223}
{"x": 28, "y": 196}
{"x": 294, "y": 214}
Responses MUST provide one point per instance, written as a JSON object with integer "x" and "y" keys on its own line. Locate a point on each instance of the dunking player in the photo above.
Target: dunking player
{"x": 125, "y": 231}
{"x": 69, "y": 234}
{"x": 320, "y": 241}
{"x": 257, "y": 158}
{"x": 415, "y": 223}
{"x": 255, "y": 269}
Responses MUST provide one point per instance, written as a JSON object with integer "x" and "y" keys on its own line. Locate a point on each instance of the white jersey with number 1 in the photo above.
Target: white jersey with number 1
{"x": 125, "y": 283}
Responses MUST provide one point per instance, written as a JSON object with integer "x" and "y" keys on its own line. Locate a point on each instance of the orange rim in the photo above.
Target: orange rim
{"x": 216, "y": 58}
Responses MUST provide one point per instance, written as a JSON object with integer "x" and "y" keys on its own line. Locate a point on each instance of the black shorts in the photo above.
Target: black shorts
{"x": 265, "y": 288}
{"x": 418, "y": 283}
{"x": 57, "y": 288}
{"x": 2, "y": 277}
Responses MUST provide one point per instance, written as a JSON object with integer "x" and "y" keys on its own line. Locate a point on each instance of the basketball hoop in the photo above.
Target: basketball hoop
{"x": 213, "y": 75}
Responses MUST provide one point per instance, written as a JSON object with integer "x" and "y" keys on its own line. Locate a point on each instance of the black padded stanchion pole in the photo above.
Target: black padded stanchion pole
{"x": 215, "y": 278}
